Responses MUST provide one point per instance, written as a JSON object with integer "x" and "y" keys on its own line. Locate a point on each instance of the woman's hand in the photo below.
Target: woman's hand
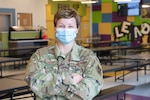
{"x": 73, "y": 78}
{"x": 76, "y": 78}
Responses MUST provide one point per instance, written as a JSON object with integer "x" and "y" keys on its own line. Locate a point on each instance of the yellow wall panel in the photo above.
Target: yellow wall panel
{"x": 50, "y": 29}
{"x": 49, "y": 24}
{"x": 85, "y": 29}
{"x": 87, "y": 16}
{"x": 85, "y": 24}
{"x": 104, "y": 28}
{"x": 49, "y": 16}
{"x": 112, "y": 38}
{"x": 106, "y": 8}
{"x": 144, "y": 39}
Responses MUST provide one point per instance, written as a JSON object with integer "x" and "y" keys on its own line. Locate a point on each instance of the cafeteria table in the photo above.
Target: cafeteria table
{"x": 140, "y": 56}
{"x": 9, "y": 86}
{"x": 130, "y": 65}
{"x": 111, "y": 48}
{"x": 5, "y": 50}
{"x": 4, "y": 60}
{"x": 17, "y": 77}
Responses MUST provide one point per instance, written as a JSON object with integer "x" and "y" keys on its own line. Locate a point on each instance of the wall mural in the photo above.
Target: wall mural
{"x": 133, "y": 32}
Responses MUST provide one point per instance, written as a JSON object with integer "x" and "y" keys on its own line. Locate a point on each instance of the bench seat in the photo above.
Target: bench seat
{"x": 123, "y": 66}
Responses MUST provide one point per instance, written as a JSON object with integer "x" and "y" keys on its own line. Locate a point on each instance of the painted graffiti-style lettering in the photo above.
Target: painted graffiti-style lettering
{"x": 137, "y": 32}
{"x": 128, "y": 28}
{"x": 125, "y": 27}
{"x": 145, "y": 28}
{"x": 117, "y": 33}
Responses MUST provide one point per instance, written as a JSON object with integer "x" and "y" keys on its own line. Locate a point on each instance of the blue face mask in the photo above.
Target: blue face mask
{"x": 65, "y": 35}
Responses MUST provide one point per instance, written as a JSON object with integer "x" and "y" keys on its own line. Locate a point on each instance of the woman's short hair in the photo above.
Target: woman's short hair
{"x": 66, "y": 13}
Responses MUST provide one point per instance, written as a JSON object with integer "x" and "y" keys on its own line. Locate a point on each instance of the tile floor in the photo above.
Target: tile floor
{"x": 141, "y": 92}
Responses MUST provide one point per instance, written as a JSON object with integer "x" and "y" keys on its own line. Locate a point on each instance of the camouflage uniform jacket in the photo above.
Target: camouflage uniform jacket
{"x": 49, "y": 74}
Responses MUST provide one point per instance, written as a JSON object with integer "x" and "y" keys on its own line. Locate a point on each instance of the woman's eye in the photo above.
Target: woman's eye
{"x": 70, "y": 26}
{"x": 61, "y": 26}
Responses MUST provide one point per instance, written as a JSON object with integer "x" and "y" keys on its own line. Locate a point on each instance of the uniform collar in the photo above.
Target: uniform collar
{"x": 74, "y": 52}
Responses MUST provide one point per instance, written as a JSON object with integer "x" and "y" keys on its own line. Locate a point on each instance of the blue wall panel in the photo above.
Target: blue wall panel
{"x": 95, "y": 28}
{"x": 106, "y": 17}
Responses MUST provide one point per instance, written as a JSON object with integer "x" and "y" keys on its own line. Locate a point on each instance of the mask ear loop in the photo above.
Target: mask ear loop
{"x": 77, "y": 31}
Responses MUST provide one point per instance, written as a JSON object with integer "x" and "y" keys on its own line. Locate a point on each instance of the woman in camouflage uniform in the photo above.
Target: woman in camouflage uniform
{"x": 65, "y": 71}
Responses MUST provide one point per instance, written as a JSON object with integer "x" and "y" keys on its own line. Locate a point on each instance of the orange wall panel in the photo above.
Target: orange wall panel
{"x": 106, "y": 8}
{"x": 104, "y": 28}
{"x": 130, "y": 18}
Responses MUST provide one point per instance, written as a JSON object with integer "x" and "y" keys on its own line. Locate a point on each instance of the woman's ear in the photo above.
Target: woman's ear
{"x": 77, "y": 30}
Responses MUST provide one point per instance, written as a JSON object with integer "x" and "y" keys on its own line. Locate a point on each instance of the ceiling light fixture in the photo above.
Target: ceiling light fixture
{"x": 122, "y": 0}
{"x": 82, "y": 1}
{"x": 145, "y": 6}
{"x": 60, "y": 0}
{"x": 88, "y": 1}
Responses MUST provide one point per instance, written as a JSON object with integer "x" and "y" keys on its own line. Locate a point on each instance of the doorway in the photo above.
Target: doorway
{"x": 6, "y": 20}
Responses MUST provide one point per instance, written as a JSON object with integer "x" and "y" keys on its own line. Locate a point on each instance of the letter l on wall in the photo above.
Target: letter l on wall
{"x": 117, "y": 32}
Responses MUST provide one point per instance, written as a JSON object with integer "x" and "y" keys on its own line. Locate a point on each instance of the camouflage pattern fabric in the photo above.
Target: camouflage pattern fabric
{"x": 49, "y": 74}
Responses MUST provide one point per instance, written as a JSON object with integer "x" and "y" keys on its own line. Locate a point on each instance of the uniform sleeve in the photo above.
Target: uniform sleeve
{"x": 45, "y": 82}
{"x": 92, "y": 81}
